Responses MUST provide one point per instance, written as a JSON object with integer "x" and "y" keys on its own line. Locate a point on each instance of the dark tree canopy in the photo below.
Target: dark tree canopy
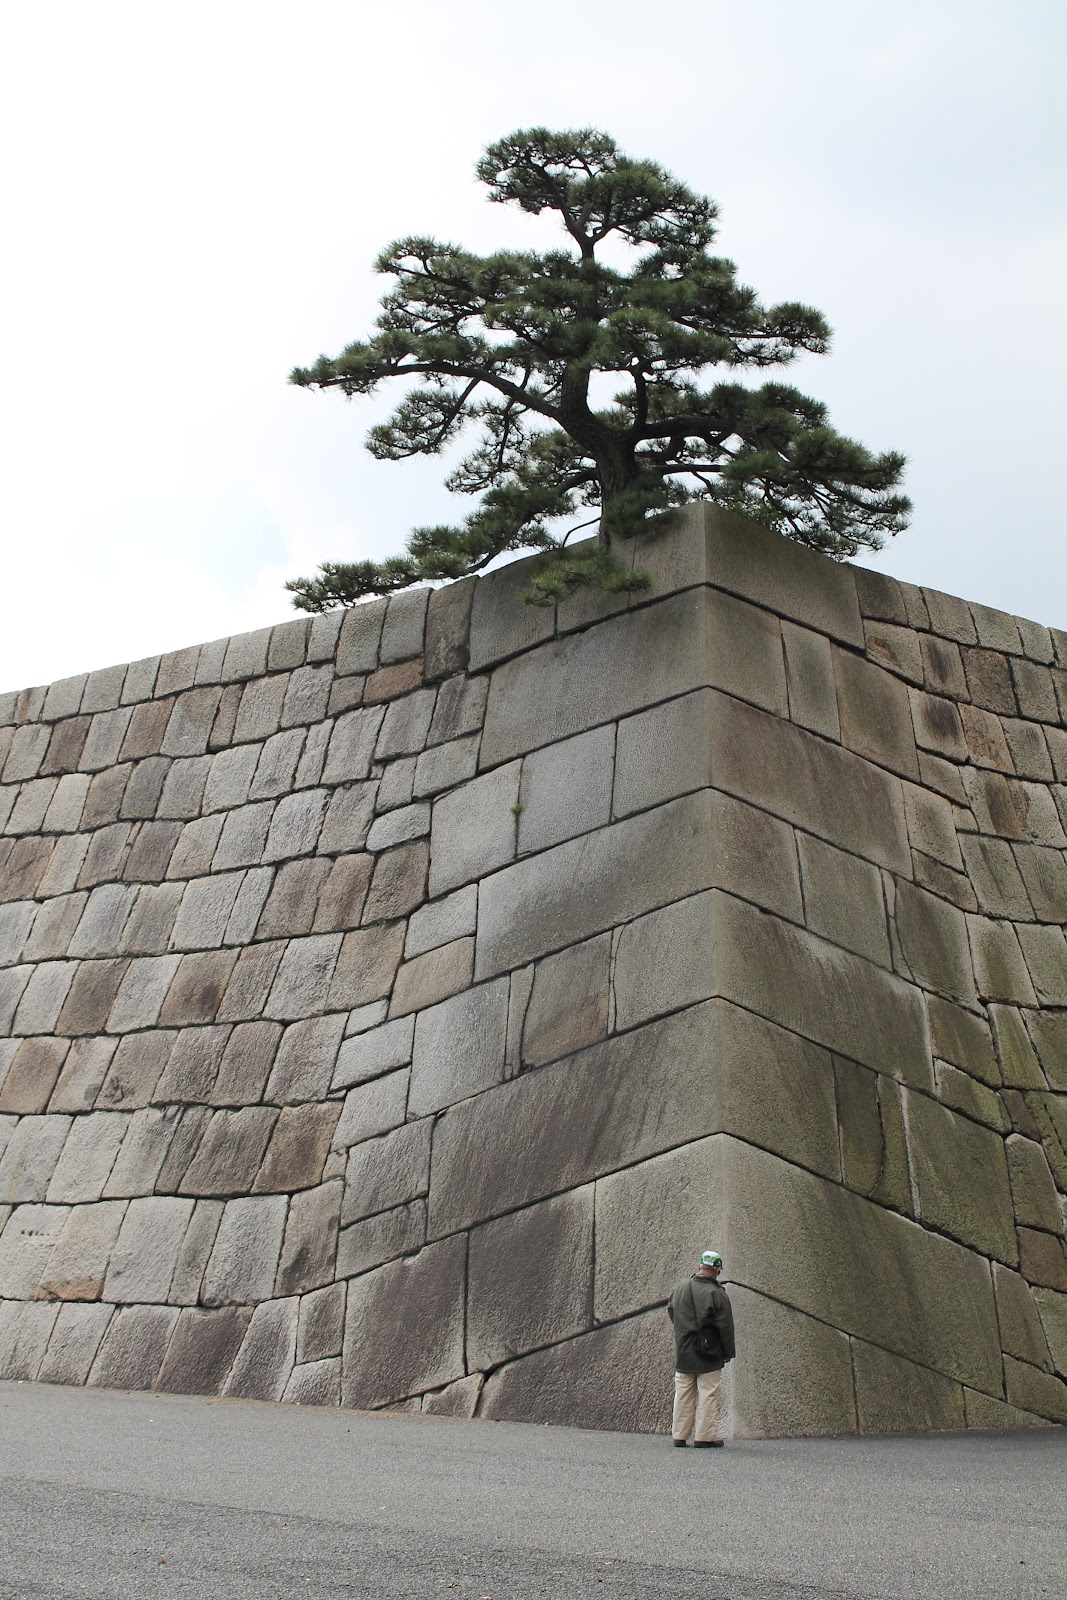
{"x": 511, "y": 346}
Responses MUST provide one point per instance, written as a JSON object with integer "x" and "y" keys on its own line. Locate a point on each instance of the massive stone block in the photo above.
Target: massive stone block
{"x": 392, "y": 1005}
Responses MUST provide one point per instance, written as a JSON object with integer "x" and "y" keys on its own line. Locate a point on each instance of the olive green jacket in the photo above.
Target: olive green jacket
{"x": 700, "y": 1303}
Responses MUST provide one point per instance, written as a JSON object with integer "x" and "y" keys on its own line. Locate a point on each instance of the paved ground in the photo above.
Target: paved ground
{"x": 119, "y": 1496}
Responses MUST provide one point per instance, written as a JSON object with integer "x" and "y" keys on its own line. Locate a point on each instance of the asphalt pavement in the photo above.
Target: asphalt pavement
{"x": 122, "y": 1496}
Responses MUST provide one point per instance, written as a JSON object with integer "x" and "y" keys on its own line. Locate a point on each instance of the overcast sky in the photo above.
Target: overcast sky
{"x": 193, "y": 196}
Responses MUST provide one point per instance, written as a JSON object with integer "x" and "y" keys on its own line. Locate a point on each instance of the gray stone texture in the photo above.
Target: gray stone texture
{"x": 730, "y": 911}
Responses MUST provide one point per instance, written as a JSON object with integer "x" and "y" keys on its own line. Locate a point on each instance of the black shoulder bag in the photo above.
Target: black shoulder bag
{"x": 708, "y": 1343}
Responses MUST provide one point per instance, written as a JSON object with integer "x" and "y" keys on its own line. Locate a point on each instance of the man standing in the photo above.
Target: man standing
{"x": 703, "y": 1343}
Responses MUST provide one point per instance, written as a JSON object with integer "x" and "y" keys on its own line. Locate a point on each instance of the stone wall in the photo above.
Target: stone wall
{"x": 392, "y": 1003}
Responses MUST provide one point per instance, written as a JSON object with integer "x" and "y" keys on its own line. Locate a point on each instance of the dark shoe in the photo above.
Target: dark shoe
{"x": 708, "y": 1444}
{"x": 679, "y": 1444}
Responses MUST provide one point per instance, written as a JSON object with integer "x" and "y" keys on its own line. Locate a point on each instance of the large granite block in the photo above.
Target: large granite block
{"x": 44, "y": 997}
{"x": 961, "y": 1177}
{"x": 530, "y": 1279}
{"x": 133, "y": 1347}
{"x": 30, "y": 1157}
{"x": 424, "y": 1296}
{"x": 244, "y": 1260}
{"x": 302, "y": 986}
{"x": 619, "y": 666}
{"x": 265, "y": 1361}
{"x": 75, "y": 1340}
{"x": 565, "y": 790}
{"x": 388, "y": 1172}
{"x": 745, "y": 655}
{"x": 298, "y": 1148}
{"x": 144, "y": 1149}
{"x": 828, "y": 791}
{"x": 792, "y": 1375}
{"x": 84, "y": 1071}
{"x": 380, "y": 1238}
{"x": 567, "y": 1005}
{"x": 750, "y": 561}
{"x": 78, "y": 1263}
{"x": 588, "y": 884}
{"x": 88, "y": 1156}
{"x": 26, "y": 1244}
{"x": 474, "y": 829}
{"x": 459, "y": 1047}
{"x": 618, "y": 1377}
{"x": 142, "y": 1262}
{"x": 32, "y": 1075}
{"x": 613, "y": 1104}
{"x": 25, "y": 1330}
{"x": 843, "y": 899}
{"x": 310, "y": 1245}
{"x": 230, "y": 1152}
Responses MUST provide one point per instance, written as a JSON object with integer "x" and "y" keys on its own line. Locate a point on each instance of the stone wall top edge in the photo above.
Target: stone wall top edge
{"x": 711, "y": 546}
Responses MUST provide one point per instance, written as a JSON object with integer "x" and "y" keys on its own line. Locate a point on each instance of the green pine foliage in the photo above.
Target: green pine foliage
{"x": 509, "y": 347}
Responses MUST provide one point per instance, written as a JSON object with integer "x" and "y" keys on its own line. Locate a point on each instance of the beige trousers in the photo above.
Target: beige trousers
{"x": 696, "y": 1405}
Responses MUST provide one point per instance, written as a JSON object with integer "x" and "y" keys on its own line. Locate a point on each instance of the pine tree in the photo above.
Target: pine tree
{"x": 517, "y": 346}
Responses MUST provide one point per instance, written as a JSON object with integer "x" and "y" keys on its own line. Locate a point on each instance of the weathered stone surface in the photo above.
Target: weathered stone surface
{"x": 75, "y": 1340}
{"x": 875, "y": 714}
{"x": 303, "y": 983}
{"x": 500, "y": 625}
{"x": 246, "y": 1063}
{"x": 88, "y": 1156}
{"x": 44, "y": 997}
{"x": 382, "y": 1237}
{"x": 445, "y": 765}
{"x": 430, "y": 978}
{"x": 932, "y": 944}
{"x": 897, "y": 1396}
{"x": 307, "y": 1259}
{"x": 366, "y": 965}
{"x": 810, "y": 681}
{"x": 143, "y": 1151}
{"x": 406, "y": 725}
{"x": 567, "y": 1006}
{"x": 26, "y": 1244}
{"x": 460, "y": 709}
{"x": 265, "y": 1361}
{"x": 474, "y": 829}
{"x": 623, "y": 664}
{"x": 84, "y": 1071}
{"x": 25, "y": 1330}
{"x": 201, "y": 1350}
{"x": 441, "y": 921}
{"x": 188, "y": 1132}
{"x": 195, "y": 1251}
{"x": 244, "y": 1261}
{"x": 307, "y": 695}
{"x": 193, "y": 1064}
{"x": 387, "y": 1172}
{"x": 992, "y": 869}
{"x": 198, "y": 988}
{"x": 142, "y": 1262}
{"x": 961, "y": 1178}
{"x": 425, "y": 1295}
{"x": 1034, "y": 1391}
{"x": 372, "y": 1108}
{"x": 1052, "y": 1308}
{"x": 1045, "y": 952}
{"x": 369, "y": 1054}
{"x": 361, "y": 631}
{"x": 616, "y": 1103}
{"x": 615, "y": 1377}
{"x": 874, "y": 1151}
{"x": 565, "y": 790}
{"x": 960, "y": 1092}
{"x": 399, "y": 882}
{"x": 321, "y": 1326}
{"x": 843, "y": 898}
{"x": 447, "y": 627}
{"x": 896, "y": 648}
{"x": 1043, "y": 1258}
{"x": 1033, "y": 1191}
{"x": 999, "y": 968}
{"x": 52, "y": 927}
{"x": 298, "y": 1148}
{"x": 794, "y": 1375}
{"x": 341, "y": 899}
{"x": 1021, "y": 1331}
{"x": 30, "y": 1156}
{"x": 548, "y": 1245}
{"x": 802, "y": 1242}
{"x": 32, "y": 1075}
{"x": 1048, "y": 1031}
{"x": 135, "y": 1069}
{"x": 250, "y": 982}
{"x": 745, "y": 656}
{"x": 459, "y": 1047}
{"x": 318, "y": 1383}
{"x": 230, "y": 1152}
{"x": 133, "y": 1348}
{"x": 1018, "y": 1063}
{"x": 829, "y": 792}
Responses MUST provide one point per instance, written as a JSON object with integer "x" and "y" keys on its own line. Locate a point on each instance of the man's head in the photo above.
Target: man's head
{"x": 710, "y": 1263}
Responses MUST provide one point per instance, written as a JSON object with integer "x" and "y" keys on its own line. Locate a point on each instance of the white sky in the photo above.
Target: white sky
{"x": 192, "y": 196}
